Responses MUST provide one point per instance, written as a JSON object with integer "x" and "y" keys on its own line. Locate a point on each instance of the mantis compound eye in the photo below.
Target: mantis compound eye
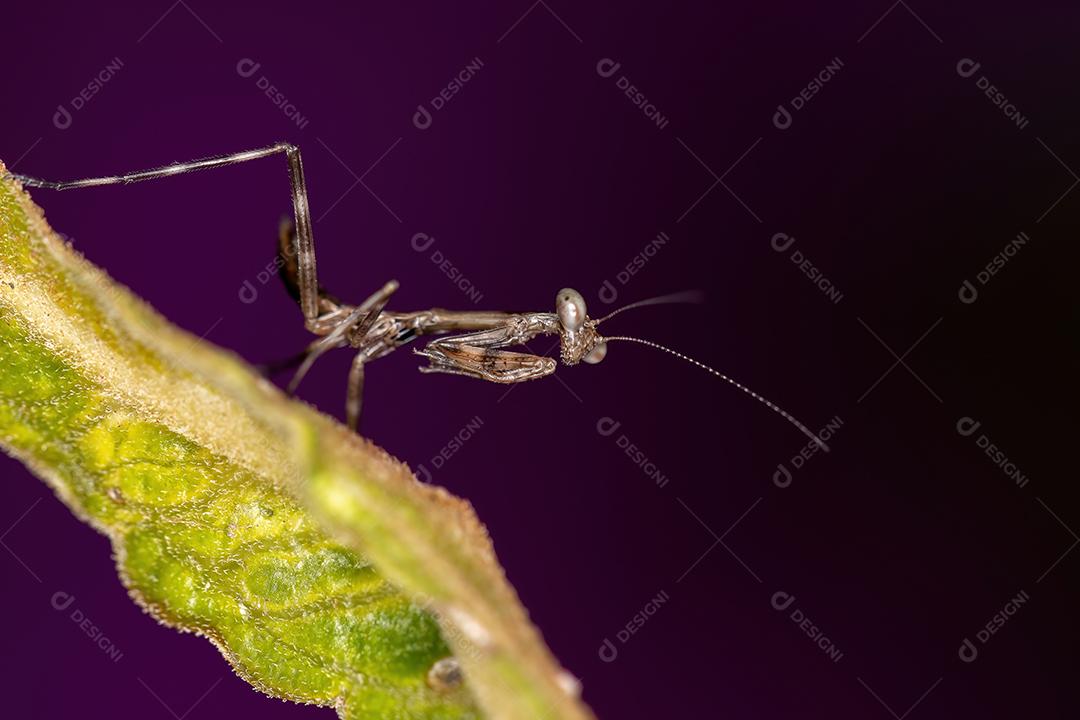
{"x": 598, "y": 353}
{"x": 570, "y": 307}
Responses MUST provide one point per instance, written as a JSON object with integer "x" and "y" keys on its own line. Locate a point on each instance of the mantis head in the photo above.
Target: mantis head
{"x": 579, "y": 339}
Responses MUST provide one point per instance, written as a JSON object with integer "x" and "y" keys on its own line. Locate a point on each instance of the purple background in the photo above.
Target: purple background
{"x": 899, "y": 180}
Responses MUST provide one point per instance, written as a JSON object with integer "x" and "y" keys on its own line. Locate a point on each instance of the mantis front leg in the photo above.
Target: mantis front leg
{"x": 478, "y": 355}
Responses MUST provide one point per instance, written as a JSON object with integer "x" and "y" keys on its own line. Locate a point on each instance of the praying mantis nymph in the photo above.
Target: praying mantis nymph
{"x": 373, "y": 331}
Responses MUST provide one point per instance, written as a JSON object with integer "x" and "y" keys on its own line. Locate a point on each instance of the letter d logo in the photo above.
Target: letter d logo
{"x": 968, "y": 652}
{"x": 608, "y": 293}
{"x": 782, "y": 477}
{"x": 421, "y": 241}
{"x": 421, "y": 118}
{"x": 607, "y": 427}
{"x": 968, "y": 294}
{"x": 62, "y": 600}
{"x": 781, "y": 242}
{"x": 61, "y": 118}
{"x": 607, "y": 67}
{"x": 248, "y": 293}
{"x": 967, "y": 426}
{"x": 967, "y": 67}
{"x": 781, "y": 118}
{"x": 782, "y": 600}
{"x": 247, "y": 67}
{"x": 608, "y": 652}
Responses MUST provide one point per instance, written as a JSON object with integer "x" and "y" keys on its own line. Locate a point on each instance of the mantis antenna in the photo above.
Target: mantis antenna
{"x": 688, "y": 296}
{"x": 772, "y": 406}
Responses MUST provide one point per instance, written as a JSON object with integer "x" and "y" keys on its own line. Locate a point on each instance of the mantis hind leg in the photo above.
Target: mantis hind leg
{"x": 356, "y": 391}
{"x": 289, "y": 270}
{"x": 302, "y": 248}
